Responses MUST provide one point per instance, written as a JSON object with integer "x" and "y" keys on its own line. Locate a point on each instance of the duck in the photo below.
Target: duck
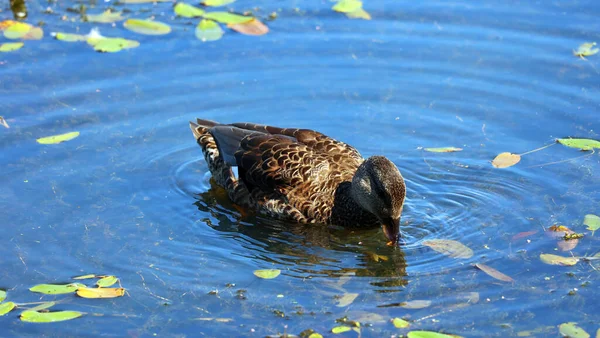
{"x": 303, "y": 176}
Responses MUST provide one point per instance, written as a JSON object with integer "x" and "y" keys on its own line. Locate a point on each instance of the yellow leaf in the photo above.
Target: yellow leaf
{"x": 505, "y": 160}
{"x": 267, "y": 273}
{"x": 400, "y": 323}
{"x": 359, "y": 14}
{"x": 340, "y": 329}
{"x": 443, "y": 149}
{"x": 58, "y": 138}
{"x": 558, "y": 260}
{"x": 88, "y": 276}
{"x": 100, "y": 292}
{"x": 7, "y": 307}
{"x": 572, "y": 331}
{"x": 586, "y": 49}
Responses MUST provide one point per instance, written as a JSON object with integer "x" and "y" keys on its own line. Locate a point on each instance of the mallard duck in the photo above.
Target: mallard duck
{"x": 303, "y": 176}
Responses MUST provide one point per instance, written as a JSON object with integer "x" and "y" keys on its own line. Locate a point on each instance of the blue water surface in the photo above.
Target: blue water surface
{"x": 132, "y": 196}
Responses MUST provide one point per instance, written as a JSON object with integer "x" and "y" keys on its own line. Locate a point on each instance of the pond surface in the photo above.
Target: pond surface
{"x": 131, "y": 196}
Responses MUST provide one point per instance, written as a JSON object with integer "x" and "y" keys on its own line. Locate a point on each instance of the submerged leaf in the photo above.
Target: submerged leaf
{"x": 187, "y": 11}
{"x": 58, "y": 138}
{"x": 252, "y": 27}
{"x": 68, "y": 37}
{"x": 346, "y": 299}
{"x": 415, "y": 304}
{"x": 429, "y": 334}
{"x": 400, "y": 323}
{"x": 6, "y": 307}
{"x": 147, "y": 27}
{"x": 216, "y": 3}
{"x": 572, "y": 331}
{"x": 10, "y": 46}
{"x": 43, "y": 306}
{"x": 558, "y": 260}
{"x": 2, "y": 295}
{"x": 340, "y": 329}
{"x": 443, "y": 149}
{"x": 107, "y": 281}
{"x": 579, "y": 143}
{"x": 523, "y": 235}
{"x": 107, "y": 16}
{"x": 586, "y": 49}
{"x": 49, "y": 317}
{"x": 494, "y": 273}
{"x": 86, "y": 292}
{"x": 267, "y": 273}
{"x": 227, "y": 18}
{"x": 3, "y": 122}
{"x": 505, "y": 160}
{"x": 450, "y": 248}
{"x": 208, "y": 30}
{"x": 359, "y": 14}
{"x": 592, "y": 221}
{"x": 347, "y": 6}
{"x": 56, "y": 289}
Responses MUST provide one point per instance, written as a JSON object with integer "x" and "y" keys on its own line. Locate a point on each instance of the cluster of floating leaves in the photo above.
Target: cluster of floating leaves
{"x": 41, "y": 313}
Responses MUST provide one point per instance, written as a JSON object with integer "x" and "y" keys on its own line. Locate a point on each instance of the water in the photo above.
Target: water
{"x": 131, "y": 195}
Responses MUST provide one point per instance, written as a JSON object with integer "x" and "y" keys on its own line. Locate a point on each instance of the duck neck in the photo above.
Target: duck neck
{"x": 347, "y": 212}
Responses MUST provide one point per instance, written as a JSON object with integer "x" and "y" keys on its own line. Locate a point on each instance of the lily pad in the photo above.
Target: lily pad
{"x": 267, "y": 273}
{"x": 400, "y": 323}
{"x": 443, "y": 149}
{"x": 429, "y": 334}
{"x": 49, "y": 317}
{"x": 107, "y": 281}
{"x": 217, "y": 3}
{"x": 68, "y": 37}
{"x": 571, "y": 330}
{"x": 227, "y": 18}
{"x": 86, "y": 292}
{"x": 592, "y": 221}
{"x": 56, "y": 289}
{"x": 10, "y": 46}
{"x": 558, "y": 260}
{"x": 252, "y": 27}
{"x": 208, "y": 30}
{"x": 111, "y": 45}
{"x": 188, "y": 11}
{"x": 340, "y": 329}
{"x": 58, "y": 138}
{"x": 42, "y": 306}
{"x": 107, "y": 16}
{"x": 347, "y": 6}
{"x": 505, "y": 160}
{"x": 15, "y": 29}
{"x": 147, "y": 27}
{"x": 494, "y": 273}
{"x": 579, "y": 143}
{"x": 2, "y": 295}
{"x": 586, "y": 49}
{"x": 450, "y": 248}
{"x": 6, "y": 307}
{"x": 359, "y": 14}
{"x": 346, "y": 299}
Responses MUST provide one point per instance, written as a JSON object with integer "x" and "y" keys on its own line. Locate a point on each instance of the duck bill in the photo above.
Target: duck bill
{"x": 391, "y": 229}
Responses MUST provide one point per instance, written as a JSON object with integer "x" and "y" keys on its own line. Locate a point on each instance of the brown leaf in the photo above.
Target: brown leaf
{"x": 494, "y": 273}
{"x": 252, "y": 27}
{"x": 505, "y": 160}
{"x": 523, "y": 235}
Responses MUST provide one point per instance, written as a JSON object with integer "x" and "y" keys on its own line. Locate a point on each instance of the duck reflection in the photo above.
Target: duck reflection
{"x": 307, "y": 247}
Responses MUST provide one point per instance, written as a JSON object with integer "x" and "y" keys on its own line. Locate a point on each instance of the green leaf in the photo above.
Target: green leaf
{"x": 359, "y": 14}
{"x": 16, "y": 29}
{"x": 579, "y": 143}
{"x": 106, "y": 281}
{"x": 429, "y": 334}
{"x": 42, "y": 306}
{"x": 58, "y": 138}
{"x": 572, "y": 331}
{"x": 2, "y": 295}
{"x": 450, "y": 248}
{"x": 88, "y": 276}
{"x": 216, "y": 3}
{"x": 208, "y": 30}
{"x": 400, "y": 323}
{"x": 49, "y": 317}
{"x": 315, "y": 335}
{"x": 267, "y": 273}
{"x": 227, "y": 18}
{"x": 592, "y": 221}
{"x": 558, "y": 260}
{"x": 105, "y": 17}
{"x": 187, "y": 11}
{"x": 56, "y": 289}
{"x": 340, "y": 329}
{"x": 10, "y": 46}
{"x": 6, "y": 307}
{"x": 111, "y": 45}
{"x": 67, "y": 37}
{"x": 147, "y": 27}
{"x": 442, "y": 150}
{"x": 347, "y": 6}
{"x": 346, "y": 299}
{"x": 586, "y": 49}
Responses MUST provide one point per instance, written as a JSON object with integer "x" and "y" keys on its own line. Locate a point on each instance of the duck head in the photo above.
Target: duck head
{"x": 378, "y": 187}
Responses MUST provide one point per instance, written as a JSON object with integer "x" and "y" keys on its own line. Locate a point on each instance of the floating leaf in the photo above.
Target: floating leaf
{"x": 494, "y": 273}
{"x": 67, "y": 37}
{"x": 267, "y": 273}
{"x": 86, "y": 292}
{"x": 586, "y": 49}
{"x": 111, "y": 45}
{"x": 415, "y": 304}
{"x": 443, "y": 149}
{"x": 505, "y": 160}
{"x": 10, "y": 47}
{"x": 227, "y": 18}
{"x": 56, "y": 289}
{"x": 58, "y": 138}
{"x": 558, "y": 260}
{"x": 252, "y": 27}
{"x": 217, "y": 3}
{"x": 579, "y": 143}
{"x": 400, "y": 323}
{"x": 450, "y": 248}
{"x": 88, "y": 276}
{"x": 2, "y": 120}
{"x": 49, "y": 317}
{"x": 218, "y": 320}
{"x": 106, "y": 281}
{"x": 43, "y": 306}
{"x": 340, "y": 329}
{"x": 315, "y": 335}
{"x": 592, "y": 221}
{"x": 429, "y": 334}
{"x": 147, "y": 27}
{"x": 142, "y": 1}
{"x": 107, "y": 16}
{"x": 187, "y": 11}
{"x": 6, "y": 307}
{"x": 2, "y": 295}
{"x": 35, "y": 33}
{"x": 346, "y": 299}
{"x": 15, "y": 29}
{"x": 572, "y": 331}
{"x": 359, "y": 14}
{"x": 347, "y": 6}
{"x": 208, "y": 30}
